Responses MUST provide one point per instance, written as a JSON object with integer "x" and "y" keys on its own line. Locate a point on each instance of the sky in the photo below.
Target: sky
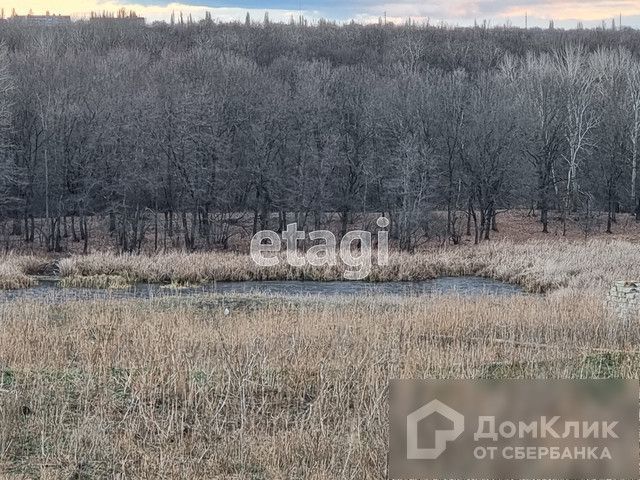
{"x": 565, "y": 13}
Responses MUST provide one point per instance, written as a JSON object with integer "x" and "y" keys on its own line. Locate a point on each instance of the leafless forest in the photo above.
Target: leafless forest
{"x": 199, "y": 128}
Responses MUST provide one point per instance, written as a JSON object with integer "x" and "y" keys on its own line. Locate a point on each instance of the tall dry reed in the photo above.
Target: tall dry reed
{"x": 276, "y": 389}
{"x": 537, "y": 266}
{"x": 16, "y": 270}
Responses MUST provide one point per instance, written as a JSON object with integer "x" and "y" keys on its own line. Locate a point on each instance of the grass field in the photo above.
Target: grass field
{"x": 279, "y": 388}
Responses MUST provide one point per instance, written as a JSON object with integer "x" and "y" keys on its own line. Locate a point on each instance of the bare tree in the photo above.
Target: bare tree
{"x": 7, "y": 167}
{"x": 578, "y": 88}
{"x": 486, "y": 152}
{"x": 543, "y": 121}
{"x": 450, "y": 111}
{"x": 610, "y": 69}
{"x": 633, "y": 99}
{"x": 408, "y": 135}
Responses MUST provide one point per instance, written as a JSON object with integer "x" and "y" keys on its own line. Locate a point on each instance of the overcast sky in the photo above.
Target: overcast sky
{"x": 565, "y": 13}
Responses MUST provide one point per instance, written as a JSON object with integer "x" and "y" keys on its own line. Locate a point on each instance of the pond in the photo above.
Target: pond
{"x": 50, "y": 291}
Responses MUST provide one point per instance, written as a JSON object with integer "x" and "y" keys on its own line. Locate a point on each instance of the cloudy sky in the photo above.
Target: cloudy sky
{"x": 565, "y": 13}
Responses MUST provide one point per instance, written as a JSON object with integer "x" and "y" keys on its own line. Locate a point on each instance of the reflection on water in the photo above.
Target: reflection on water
{"x": 468, "y": 286}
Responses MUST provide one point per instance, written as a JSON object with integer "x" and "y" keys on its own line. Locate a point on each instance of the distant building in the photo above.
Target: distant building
{"x": 42, "y": 20}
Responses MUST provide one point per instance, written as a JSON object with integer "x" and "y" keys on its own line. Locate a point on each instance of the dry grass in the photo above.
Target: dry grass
{"x": 282, "y": 388}
{"x": 537, "y": 266}
{"x": 277, "y": 389}
{"x": 16, "y": 270}
{"x": 95, "y": 281}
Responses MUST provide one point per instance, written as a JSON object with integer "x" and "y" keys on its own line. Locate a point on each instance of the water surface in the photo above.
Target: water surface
{"x": 49, "y": 290}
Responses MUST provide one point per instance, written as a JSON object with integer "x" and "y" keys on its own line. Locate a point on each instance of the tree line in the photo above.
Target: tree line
{"x": 179, "y": 135}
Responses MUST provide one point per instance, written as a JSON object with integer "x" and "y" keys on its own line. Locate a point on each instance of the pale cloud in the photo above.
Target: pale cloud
{"x": 565, "y": 10}
{"x": 460, "y": 12}
{"x": 539, "y": 11}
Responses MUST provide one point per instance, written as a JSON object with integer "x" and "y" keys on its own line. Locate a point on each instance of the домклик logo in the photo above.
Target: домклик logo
{"x": 442, "y": 437}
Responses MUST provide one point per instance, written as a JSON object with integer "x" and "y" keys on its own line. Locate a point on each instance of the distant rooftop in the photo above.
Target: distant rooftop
{"x": 48, "y": 19}
{"x": 41, "y": 20}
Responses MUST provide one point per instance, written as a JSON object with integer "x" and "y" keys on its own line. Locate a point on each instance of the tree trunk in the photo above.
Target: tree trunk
{"x": 57, "y": 244}
{"x": 194, "y": 221}
{"x": 544, "y": 200}
{"x": 124, "y": 241}
{"x": 83, "y": 232}
{"x": 544, "y": 218}
{"x": 16, "y": 228}
{"x": 32, "y": 226}
{"x": 83, "y": 223}
{"x": 165, "y": 231}
{"x": 469, "y": 218}
{"x": 472, "y": 214}
{"x": 487, "y": 223}
{"x": 610, "y": 211}
{"x": 155, "y": 229}
{"x": 74, "y": 235}
{"x": 207, "y": 225}
{"x": 185, "y": 227}
{"x": 255, "y": 222}
{"x": 344, "y": 222}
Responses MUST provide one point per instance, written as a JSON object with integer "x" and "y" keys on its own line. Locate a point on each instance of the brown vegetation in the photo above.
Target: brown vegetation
{"x": 15, "y": 270}
{"x": 95, "y": 281}
{"x": 537, "y": 266}
{"x": 282, "y": 387}
{"x": 278, "y": 390}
